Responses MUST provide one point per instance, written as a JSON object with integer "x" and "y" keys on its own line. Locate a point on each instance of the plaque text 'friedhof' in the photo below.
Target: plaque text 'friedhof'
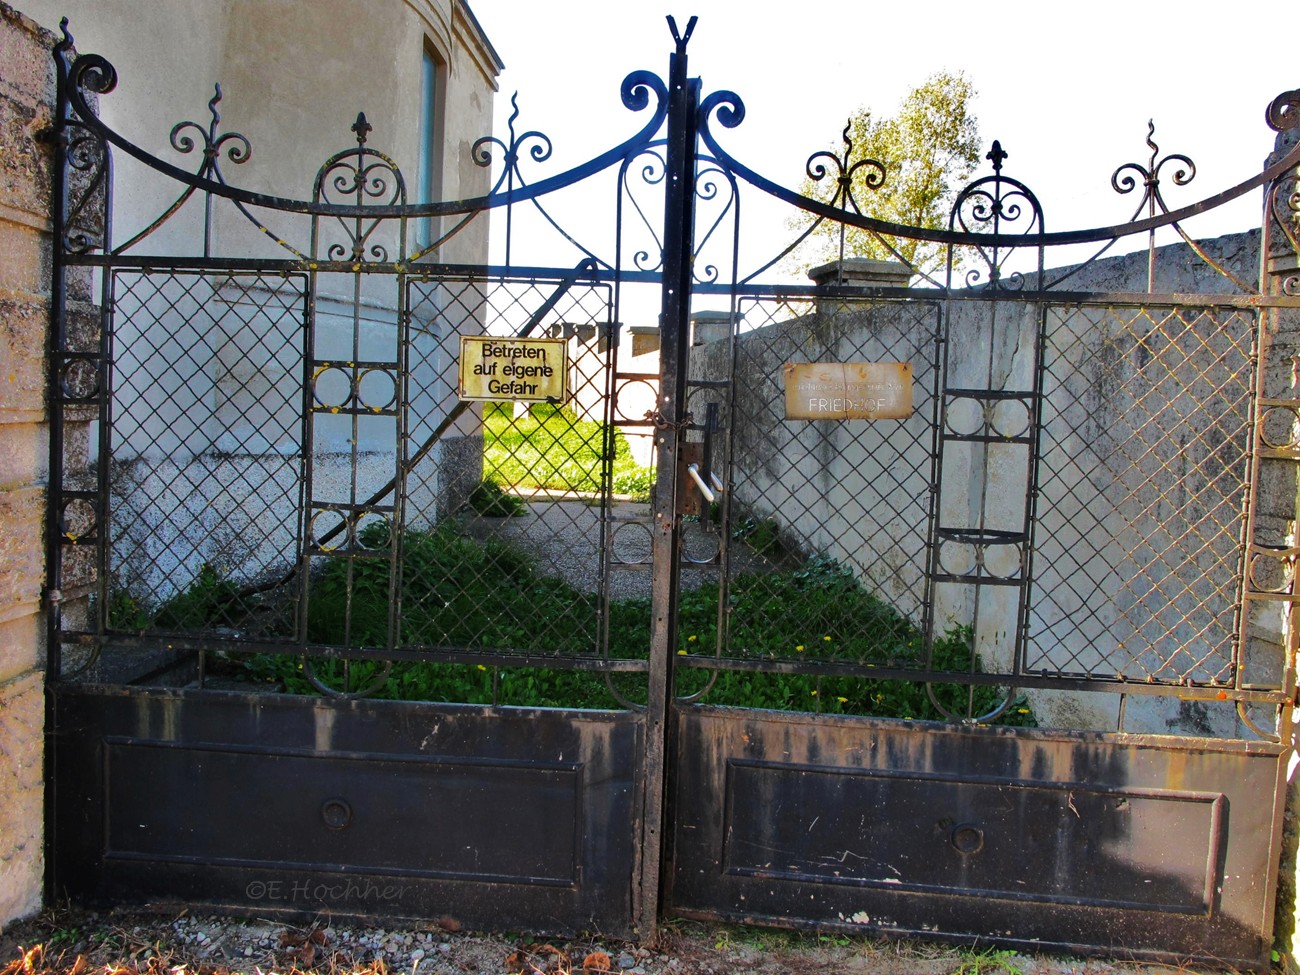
{"x": 848, "y": 390}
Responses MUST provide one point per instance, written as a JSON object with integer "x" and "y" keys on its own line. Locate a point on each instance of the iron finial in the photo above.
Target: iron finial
{"x": 681, "y": 39}
{"x": 996, "y": 155}
{"x": 362, "y": 128}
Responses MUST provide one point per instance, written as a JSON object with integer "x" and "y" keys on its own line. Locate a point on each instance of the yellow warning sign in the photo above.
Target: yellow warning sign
{"x": 508, "y": 370}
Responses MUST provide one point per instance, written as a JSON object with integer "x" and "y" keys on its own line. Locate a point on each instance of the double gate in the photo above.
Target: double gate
{"x": 957, "y": 610}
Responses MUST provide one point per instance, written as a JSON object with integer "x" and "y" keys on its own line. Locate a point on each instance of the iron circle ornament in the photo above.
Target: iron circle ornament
{"x": 376, "y": 389}
{"x": 700, "y": 548}
{"x": 1279, "y": 426}
{"x": 78, "y": 521}
{"x": 79, "y": 380}
{"x": 631, "y": 544}
{"x": 1010, "y": 418}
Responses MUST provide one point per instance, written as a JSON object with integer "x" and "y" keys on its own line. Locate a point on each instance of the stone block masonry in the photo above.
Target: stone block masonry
{"x": 26, "y": 170}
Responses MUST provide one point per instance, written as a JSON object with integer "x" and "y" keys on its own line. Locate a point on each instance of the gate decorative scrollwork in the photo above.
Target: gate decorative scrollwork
{"x": 1083, "y": 520}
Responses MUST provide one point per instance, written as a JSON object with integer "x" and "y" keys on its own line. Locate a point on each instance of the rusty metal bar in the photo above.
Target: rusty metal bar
{"x": 674, "y": 327}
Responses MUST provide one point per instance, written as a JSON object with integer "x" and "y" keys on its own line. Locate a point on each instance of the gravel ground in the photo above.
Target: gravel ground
{"x": 563, "y": 535}
{"x": 77, "y": 942}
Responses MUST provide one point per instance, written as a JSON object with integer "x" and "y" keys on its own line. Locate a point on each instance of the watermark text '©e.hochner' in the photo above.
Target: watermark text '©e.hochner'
{"x": 332, "y": 892}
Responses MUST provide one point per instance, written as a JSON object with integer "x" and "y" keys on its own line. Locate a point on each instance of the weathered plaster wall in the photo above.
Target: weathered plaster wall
{"x": 293, "y": 78}
{"x": 208, "y": 384}
{"x": 859, "y": 491}
{"x": 26, "y": 94}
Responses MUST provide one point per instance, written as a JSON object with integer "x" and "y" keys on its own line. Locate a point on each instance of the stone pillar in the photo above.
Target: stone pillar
{"x": 856, "y": 273}
{"x": 712, "y": 326}
{"x": 26, "y": 107}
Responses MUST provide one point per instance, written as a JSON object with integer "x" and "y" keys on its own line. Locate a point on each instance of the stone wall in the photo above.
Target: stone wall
{"x": 26, "y": 97}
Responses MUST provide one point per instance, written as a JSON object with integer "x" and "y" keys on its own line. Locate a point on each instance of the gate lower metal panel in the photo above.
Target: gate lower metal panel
{"x": 497, "y": 817}
{"x": 1115, "y": 843}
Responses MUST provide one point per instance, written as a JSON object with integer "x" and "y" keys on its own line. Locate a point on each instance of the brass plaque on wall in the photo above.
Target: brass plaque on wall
{"x": 848, "y": 390}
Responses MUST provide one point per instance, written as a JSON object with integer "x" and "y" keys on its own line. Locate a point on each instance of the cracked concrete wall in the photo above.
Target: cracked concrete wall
{"x": 26, "y": 106}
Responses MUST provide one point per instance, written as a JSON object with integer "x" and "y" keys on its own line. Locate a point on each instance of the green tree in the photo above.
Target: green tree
{"x": 907, "y": 169}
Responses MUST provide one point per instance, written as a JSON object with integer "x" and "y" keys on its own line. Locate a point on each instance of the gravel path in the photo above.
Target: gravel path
{"x": 564, "y": 536}
{"x": 78, "y": 942}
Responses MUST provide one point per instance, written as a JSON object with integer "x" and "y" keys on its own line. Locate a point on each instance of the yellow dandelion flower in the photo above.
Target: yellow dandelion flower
{"x": 799, "y": 648}
{"x": 692, "y": 638}
{"x": 827, "y": 639}
{"x": 814, "y": 693}
{"x": 681, "y": 653}
{"x": 481, "y": 667}
{"x": 842, "y": 700}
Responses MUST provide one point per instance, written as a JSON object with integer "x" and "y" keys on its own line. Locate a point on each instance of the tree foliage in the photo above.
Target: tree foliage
{"x": 906, "y": 168}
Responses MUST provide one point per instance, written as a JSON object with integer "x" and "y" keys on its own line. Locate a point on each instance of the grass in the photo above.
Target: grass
{"x": 455, "y": 592}
{"x": 549, "y": 447}
{"x": 210, "y": 600}
{"x": 491, "y": 500}
{"x": 459, "y": 592}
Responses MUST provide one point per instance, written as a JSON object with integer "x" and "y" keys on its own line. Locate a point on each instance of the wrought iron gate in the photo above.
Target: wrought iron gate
{"x": 890, "y": 527}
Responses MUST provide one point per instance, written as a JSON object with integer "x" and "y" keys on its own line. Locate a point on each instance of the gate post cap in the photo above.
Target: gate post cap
{"x": 861, "y": 272}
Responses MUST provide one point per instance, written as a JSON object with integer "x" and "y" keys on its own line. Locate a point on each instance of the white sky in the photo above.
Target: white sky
{"x": 1067, "y": 88}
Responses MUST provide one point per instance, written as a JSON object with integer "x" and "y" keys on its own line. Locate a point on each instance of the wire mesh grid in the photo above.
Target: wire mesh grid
{"x": 504, "y": 523}
{"x": 828, "y": 519}
{"x": 1146, "y": 443}
{"x": 205, "y": 465}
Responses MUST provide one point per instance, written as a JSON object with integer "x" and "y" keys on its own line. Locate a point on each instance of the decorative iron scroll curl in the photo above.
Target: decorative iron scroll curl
{"x": 1150, "y": 174}
{"x": 539, "y": 151}
{"x": 87, "y": 163}
{"x": 374, "y": 194}
{"x": 1282, "y": 198}
{"x": 367, "y": 176}
{"x": 651, "y": 167}
{"x": 708, "y": 175}
{"x": 997, "y": 205}
{"x": 511, "y": 185}
{"x": 511, "y": 175}
{"x": 235, "y": 147}
{"x": 874, "y": 178}
{"x": 1283, "y": 112}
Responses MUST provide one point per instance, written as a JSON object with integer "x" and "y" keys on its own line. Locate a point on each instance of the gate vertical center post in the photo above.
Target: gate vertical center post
{"x": 678, "y": 237}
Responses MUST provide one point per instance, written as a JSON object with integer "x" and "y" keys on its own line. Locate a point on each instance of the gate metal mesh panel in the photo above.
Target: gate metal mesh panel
{"x": 828, "y": 519}
{"x": 1146, "y": 443}
{"x": 532, "y": 534}
{"x": 206, "y": 470}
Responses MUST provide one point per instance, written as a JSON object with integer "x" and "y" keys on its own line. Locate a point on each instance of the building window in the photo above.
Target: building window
{"x": 429, "y": 174}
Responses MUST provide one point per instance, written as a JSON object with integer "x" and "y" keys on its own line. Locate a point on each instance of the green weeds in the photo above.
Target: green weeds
{"x": 491, "y": 500}
{"x": 549, "y": 447}
{"x": 458, "y": 592}
{"x": 210, "y": 600}
{"x": 988, "y": 961}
